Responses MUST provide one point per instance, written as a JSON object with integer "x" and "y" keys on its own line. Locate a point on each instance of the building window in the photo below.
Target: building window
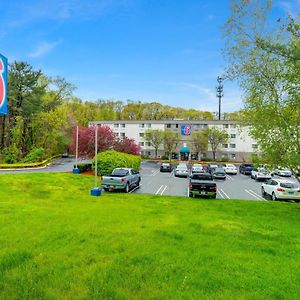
{"x": 225, "y": 126}
{"x": 176, "y": 126}
{"x": 149, "y": 125}
{"x": 232, "y": 145}
{"x": 148, "y": 153}
{"x": 254, "y": 146}
{"x": 141, "y": 143}
{"x": 232, "y": 126}
{"x": 141, "y": 125}
{"x": 205, "y": 125}
{"x": 225, "y": 146}
{"x": 203, "y": 155}
{"x": 122, "y": 134}
{"x": 116, "y": 125}
{"x": 168, "y": 125}
{"x": 233, "y": 156}
{"x": 233, "y": 136}
{"x": 148, "y": 144}
{"x": 123, "y": 125}
{"x": 116, "y": 134}
{"x": 142, "y": 134}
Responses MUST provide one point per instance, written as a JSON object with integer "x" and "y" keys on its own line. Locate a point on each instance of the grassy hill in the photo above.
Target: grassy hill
{"x": 57, "y": 242}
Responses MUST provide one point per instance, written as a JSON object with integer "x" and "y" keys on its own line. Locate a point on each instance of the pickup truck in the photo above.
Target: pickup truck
{"x": 202, "y": 184}
{"x": 121, "y": 179}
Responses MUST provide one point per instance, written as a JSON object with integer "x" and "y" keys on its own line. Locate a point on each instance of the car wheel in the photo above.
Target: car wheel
{"x": 138, "y": 183}
{"x": 214, "y": 196}
{"x": 127, "y": 188}
{"x": 255, "y": 178}
{"x": 191, "y": 195}
{"x": 263, "y": 192}
{"x": 274, "y": 198}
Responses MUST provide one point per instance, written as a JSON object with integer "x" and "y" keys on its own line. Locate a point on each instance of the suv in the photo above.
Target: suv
{"x": 246, "y": 169}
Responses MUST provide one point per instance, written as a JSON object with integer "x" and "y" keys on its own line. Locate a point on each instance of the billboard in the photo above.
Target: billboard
{"x": 185, "y": 129}
{"x": 3, "y": 85}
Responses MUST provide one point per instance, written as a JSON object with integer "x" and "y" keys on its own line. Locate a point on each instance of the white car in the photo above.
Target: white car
{"x": 281, "y": 189}
{"x": 285, "y": 172}
{"x": 260, "y": 174}
{"x": 181, "y": 171}
{"x": 197, "y": 168}
{"x": 230, "y": 169}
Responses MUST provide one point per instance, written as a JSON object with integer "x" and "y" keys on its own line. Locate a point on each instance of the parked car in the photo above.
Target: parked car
{"x": 260, "y": 174}
{"x": 202, "y": 184}
{"x": 211, "y": 167}
{"x": 65, "y": 155}
{"x": 121, "y": 179}
{"x": 246, "y": 169}
{"x": 166, "y": 167}
{"x": 281, "y": 189}
{"x": 230, "y": 169}
{"x": 197, "y": 168}
{"x": 219, "y": 173}
{"x": 283, "y": 172}
{"x": 181, "y": 171}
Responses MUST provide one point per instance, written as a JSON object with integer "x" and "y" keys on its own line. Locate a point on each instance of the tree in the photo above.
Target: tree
{"x": 86, "y": 140}
{"x": 155, "y": 137}
{"x": 199, "y": 142}
{"x": 215, "y": 137}
{"x": 171, "y": 140}
{"x": 265, "y": 60}
{"x": 127, "y": 145}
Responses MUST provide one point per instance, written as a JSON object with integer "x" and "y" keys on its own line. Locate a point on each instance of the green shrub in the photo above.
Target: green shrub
{"x": 164, "y": 157}
{"x": 206, "y": 159}
{"x": 109, "y": 160}
{"x": 35, "y": 155}
{"x": 83, "y": 167}
{"x": 224, "y": 158}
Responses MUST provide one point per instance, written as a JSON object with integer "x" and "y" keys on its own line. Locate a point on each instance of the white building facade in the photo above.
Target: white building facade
{"x": 240, "y": 146}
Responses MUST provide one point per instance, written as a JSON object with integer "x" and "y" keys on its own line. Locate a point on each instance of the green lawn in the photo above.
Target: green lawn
{"x": 57, "y": 242}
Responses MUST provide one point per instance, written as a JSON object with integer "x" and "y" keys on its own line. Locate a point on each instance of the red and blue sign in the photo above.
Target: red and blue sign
{"x": 185, "y": 129}
{"x": 3, "y": 85}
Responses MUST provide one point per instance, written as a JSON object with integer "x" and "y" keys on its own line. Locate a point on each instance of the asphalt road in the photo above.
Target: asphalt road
{"x": 58, "y": 165}
{"x": 234, "y": 187}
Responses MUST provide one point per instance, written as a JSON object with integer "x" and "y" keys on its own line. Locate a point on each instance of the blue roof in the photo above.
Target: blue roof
{"x": 185, "y": 150}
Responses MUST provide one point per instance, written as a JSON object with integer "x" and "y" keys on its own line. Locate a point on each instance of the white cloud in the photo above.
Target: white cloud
{"x": 44, "y": 48}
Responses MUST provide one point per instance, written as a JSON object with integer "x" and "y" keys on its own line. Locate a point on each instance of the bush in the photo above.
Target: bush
{"x": 35, "y": 155}
{"x": 109, "y": 160}
{"x": 206, "y": 159}
{"x": 224, "y": 158}
{"x": 164, "y": 157}
{"x": 83, "y": 167}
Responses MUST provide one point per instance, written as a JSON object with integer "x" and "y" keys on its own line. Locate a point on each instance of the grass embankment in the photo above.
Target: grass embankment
{"x": 58, "y": 242}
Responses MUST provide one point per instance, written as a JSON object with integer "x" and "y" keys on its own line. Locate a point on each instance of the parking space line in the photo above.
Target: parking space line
{"x": 135, "y": 188}
{"x": 224, "y": 194}
{"x": 219, "y": 193}
{"x": 164, "y": 189}
{"x": 158, "y": 191}
{"x": 155, "y": 173}
{"x": 256, "y": 196}
{"x": 229, "y": 177}
{"x": 171, "y": 174}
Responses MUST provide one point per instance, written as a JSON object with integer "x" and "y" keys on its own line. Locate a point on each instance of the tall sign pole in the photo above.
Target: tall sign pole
{"x": 75, "y": 169}
{"x": 220, "y": 94}
{"x": 96, "y": 191}
{"x": 3, "y": 85}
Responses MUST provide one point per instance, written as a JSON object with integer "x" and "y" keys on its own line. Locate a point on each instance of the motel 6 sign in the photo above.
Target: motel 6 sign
{"x": 186, "y": 130}
{"x": 3, "y": 85}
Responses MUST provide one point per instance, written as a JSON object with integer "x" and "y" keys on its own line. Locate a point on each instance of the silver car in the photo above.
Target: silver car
{"x": 181, "y": 171}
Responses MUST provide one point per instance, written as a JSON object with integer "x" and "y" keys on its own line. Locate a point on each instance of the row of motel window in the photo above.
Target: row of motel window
{"x": 142, "y": 125}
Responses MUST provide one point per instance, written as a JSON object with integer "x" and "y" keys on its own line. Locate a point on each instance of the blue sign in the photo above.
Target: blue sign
{"x": 185, "y": 129}
{"x": 3, "y": 85}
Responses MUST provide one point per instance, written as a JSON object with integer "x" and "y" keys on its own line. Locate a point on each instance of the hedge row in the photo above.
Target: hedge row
{"x": 83, "y": 167}
{"x": 109, "y": 160}
{"x": 29, "y": 165}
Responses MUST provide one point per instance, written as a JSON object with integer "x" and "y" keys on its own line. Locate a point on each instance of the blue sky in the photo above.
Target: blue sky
{"x": 167, "y": 51}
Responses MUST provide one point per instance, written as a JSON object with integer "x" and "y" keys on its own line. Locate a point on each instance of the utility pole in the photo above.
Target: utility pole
{"x": 220, "y": 94}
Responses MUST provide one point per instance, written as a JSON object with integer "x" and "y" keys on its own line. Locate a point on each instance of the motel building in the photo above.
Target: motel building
{"x": 240, "y": 146}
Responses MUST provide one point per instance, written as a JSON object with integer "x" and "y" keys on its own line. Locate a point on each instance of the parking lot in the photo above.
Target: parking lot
{"x": 234, "y": 187}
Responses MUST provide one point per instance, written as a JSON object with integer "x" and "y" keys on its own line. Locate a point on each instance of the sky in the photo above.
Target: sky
{"x": 168, "y": 51}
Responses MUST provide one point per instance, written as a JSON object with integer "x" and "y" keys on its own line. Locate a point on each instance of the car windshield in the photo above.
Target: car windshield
{"x": 230, "y": 166}
{"x": 202, "y": 177}
{"x": 219, "y": 170}
{"x": 289, "y": 185}
{"x": 120, "y": 172}
{"x": 165, "y": 165}
{"x": 213, "y": 166}
{"x": 181, "y": 168}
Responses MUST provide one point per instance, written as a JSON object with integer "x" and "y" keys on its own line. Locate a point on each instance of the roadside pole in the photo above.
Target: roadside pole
{"x": 76, "y": 170}
{"x": 96, "y": 191}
